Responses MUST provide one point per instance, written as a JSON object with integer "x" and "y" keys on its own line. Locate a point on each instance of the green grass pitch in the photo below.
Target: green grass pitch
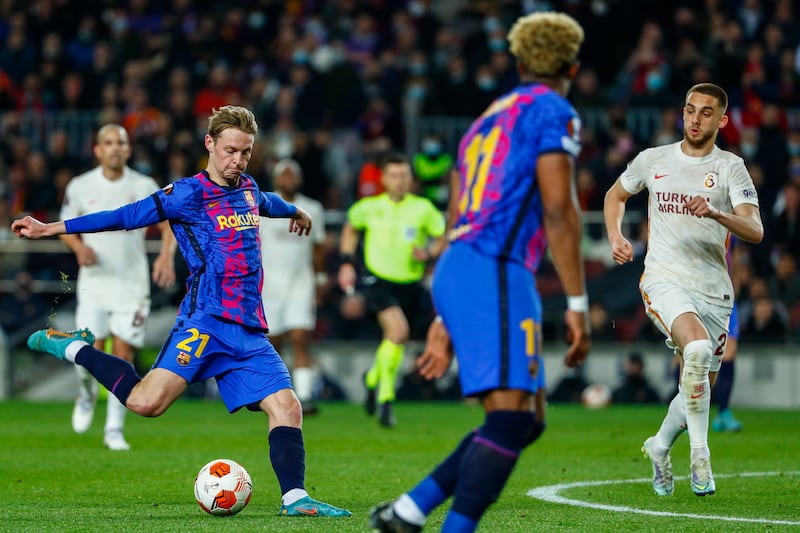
{"x": 54, "y": 480}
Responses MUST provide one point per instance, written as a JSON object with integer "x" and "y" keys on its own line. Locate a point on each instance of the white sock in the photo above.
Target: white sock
{"x": 292, "y": 496}
{"x": 696, "y": 391}
{"x": 673, "y": 425}
{"x": 406, "y": 509}
{"x": 72, "y": 350}
{"x": 115, "y": 414}
{"x": 303, "y": 379}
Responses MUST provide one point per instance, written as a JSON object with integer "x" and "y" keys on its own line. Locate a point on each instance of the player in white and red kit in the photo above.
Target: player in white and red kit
{"x": 698, "y": 195}
{"x": 291, "y": 266}
{"x": 113, "y": 289}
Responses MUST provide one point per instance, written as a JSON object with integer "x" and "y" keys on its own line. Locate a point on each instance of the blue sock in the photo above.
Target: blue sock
{"x": 440, "y": 484}
{"x": 487, "y": 464}
{"x": 288, "y": 457}
{"x": 115, "y": 374}
{"x": 724, "y": 385}
{"x": 458, "y": 523}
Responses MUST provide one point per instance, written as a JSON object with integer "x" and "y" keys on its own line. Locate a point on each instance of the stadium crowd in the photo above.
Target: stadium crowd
{"x": 333, "y": 84}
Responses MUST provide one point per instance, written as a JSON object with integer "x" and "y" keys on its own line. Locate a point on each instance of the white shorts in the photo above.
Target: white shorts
{"x": 664, "y": 302}
{"x": 290, "y": 305}
{"x": 128, "y": 326}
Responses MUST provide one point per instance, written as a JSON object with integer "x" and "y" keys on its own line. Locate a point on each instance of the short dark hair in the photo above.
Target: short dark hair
{"x": 712, "y": 90}
{"x": 393, "y": 158}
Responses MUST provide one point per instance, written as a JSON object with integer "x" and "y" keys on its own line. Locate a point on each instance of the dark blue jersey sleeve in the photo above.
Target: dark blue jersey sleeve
{"x": 273, "y": 206}
{"x": 132, "y": 216}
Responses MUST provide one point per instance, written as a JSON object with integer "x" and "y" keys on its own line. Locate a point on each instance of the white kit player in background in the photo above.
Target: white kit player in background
{"x": 698, "y": 194}
{"x": 113, "y": 289}
{"x": 293, "y": 271}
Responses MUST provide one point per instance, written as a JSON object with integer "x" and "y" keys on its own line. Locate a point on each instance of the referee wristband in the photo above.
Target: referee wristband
{"x": 345, "y": 258}
{"x": 579, "y": 304}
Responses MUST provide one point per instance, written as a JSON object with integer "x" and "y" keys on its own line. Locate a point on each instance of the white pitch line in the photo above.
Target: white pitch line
{"x": 550, "y": 493}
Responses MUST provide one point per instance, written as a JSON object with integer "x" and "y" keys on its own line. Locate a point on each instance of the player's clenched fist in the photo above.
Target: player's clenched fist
{"x": 621, "y": 250}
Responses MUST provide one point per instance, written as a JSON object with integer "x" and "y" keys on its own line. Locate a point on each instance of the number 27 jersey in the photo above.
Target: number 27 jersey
{"x": 500, "y": 207}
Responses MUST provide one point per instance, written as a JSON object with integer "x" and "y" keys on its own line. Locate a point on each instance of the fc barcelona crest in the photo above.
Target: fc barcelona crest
{"x": 249, "y": 198}
{"x": 183, "y": 358}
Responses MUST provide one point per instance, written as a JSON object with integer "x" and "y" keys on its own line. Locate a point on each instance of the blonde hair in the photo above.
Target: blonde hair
{"x": 231, "y": 116}
{"x": 546, "y": 44}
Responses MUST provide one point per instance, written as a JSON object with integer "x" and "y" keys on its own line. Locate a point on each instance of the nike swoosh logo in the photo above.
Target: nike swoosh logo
{"x": 212, "y": 205}
{"x": 697, "y": 395}
{"x": 309, "y": 511}
{"x": 659, "y": 176}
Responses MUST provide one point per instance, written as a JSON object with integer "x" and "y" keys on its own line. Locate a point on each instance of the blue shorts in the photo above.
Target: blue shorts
{"x": 733, "y": 323}
{"x": 244, "y": 363}
{"x": 494, "y": 315}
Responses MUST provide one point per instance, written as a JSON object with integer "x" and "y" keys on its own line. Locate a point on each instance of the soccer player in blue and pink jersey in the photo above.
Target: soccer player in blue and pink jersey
{"x": 516, "y": 194}
{"x": 221, "y": 330}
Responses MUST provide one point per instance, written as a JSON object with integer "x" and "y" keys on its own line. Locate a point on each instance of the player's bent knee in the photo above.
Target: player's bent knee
{"x": 146, "y": 408}
{"x": 283, "y": 408}
{"x": 697, "y": 358}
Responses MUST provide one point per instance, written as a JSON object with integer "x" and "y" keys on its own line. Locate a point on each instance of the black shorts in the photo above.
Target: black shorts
{"x": 413, "y": 298}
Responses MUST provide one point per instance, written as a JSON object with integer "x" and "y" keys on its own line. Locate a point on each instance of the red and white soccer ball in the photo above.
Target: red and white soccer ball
{"x": 223, "y": 487}
{"x": 596, "y": 396}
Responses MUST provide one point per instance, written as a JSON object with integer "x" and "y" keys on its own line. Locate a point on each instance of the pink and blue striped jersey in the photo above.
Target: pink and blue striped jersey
{"x": 500, "y": 207}
{"x": 217, "y": 232}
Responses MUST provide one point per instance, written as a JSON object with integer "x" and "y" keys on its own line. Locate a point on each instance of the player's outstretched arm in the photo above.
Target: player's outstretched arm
{"x": 613, "y": 213}
{"x": 564, "y": 229}
{"x": 30, "y": 228}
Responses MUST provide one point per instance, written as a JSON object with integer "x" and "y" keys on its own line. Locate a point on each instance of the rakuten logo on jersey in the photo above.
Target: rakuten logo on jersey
{"x": 237, "y": 221}
{"x": 673, "y": 202}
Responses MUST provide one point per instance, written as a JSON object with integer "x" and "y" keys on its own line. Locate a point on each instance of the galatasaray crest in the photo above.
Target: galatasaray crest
{"x": 711, "y": 179}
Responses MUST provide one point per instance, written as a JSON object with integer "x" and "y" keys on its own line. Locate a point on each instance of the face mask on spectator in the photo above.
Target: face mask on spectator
{"x": 431, "y": 147}
{"x": 748, "y": 149}
{"x": 497, "y": 44}
{"x": 491, "y": 24}
{"x": 416, "y": 91}
{"x": 486, "y": 83}
{"x": 418, "y": 68}
{"x": 654, "y": 81}
{"x": 256, "y": 20}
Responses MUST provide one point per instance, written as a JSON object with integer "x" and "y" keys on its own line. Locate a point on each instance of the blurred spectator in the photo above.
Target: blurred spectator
{"x": 634, "y": 387}
{"x": 766, "y": 322}
{"x": 586, "y": 91}
{"x": 23, "y": 307}
{"x": 602, "y": 326}
{"x": 669, "y": 129}
{"x": 569, "y": 387}
{"x": 432, "y": 165}
{"x": 784, "y": 226}
{"x": 218, "y": 91}
{"x": 785, "y": 284}
{"x": 752, "y": 17}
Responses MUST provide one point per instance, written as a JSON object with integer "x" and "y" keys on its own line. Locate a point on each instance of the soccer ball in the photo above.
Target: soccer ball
{"x": 222, "y": 487}
{"x": 596, "y": 396}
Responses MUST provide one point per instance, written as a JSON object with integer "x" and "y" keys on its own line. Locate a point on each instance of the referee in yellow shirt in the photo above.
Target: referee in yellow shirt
{"x": 402, "y": 232}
